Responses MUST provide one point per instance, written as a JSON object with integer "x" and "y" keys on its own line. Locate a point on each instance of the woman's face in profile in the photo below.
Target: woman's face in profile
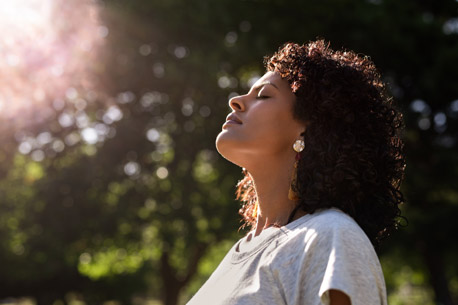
{"x": 261, "y": 123}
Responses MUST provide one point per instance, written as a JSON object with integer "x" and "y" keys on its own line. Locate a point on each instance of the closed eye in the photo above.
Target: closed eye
{"x": 262, "y": 97}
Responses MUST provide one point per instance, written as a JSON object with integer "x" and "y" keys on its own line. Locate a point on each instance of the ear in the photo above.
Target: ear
{"x": 303, "y": 129}
{"x": 300, "y": 129}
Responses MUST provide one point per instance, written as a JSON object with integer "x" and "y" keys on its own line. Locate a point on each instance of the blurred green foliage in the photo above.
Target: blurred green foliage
{"x": 147, "y": 210}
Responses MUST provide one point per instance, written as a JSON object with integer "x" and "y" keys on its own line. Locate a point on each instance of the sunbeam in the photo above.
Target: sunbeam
{"x": 46, "y": 47}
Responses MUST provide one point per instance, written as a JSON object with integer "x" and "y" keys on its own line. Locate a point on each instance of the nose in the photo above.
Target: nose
{"x": 236, "y": 103}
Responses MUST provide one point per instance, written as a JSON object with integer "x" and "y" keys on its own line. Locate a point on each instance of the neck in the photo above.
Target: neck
{"x": 272, "y": 184}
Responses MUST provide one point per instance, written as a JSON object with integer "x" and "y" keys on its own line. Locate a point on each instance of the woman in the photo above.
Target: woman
{"x": 318, "y": 138}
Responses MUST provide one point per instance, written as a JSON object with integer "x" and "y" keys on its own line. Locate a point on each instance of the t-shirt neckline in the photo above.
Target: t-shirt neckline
{"x": 263, "y": 241}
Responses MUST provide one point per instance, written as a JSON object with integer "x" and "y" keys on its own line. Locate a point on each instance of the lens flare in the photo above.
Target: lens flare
{"x": 46, "y": 47}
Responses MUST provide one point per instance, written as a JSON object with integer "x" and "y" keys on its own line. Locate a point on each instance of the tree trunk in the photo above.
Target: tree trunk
{"x": 171, "y": 294}
{"x": 438, "y": 281}
{"x": 171, "y": 284}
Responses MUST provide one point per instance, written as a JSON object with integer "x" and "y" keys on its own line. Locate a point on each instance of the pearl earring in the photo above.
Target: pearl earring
{"x": 299, "y": 146}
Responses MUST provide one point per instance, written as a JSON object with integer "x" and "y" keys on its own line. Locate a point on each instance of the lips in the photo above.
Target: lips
{"x": 233, "y": 118}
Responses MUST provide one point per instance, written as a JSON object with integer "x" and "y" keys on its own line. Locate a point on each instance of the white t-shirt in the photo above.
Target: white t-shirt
{"x": 298, "y": 264}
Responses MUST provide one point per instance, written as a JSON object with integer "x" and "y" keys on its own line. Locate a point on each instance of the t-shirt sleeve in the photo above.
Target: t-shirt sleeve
{"x": 349, "y": 264}
{"x": 336, "y": 254}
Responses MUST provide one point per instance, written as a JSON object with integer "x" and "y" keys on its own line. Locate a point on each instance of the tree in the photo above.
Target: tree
{"x": 134, "y": 197}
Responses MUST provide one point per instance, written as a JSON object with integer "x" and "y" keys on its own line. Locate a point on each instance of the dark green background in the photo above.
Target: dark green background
{"x": 75, "y": 226}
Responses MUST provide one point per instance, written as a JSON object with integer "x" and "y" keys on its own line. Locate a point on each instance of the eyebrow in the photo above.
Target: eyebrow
{"x": 258, "y": 87}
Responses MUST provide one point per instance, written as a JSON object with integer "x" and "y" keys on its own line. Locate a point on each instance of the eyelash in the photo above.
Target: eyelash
{"x": 262, "y": 97}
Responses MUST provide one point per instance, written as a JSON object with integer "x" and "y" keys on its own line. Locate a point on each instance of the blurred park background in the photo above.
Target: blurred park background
{"x": 111, "y": 191}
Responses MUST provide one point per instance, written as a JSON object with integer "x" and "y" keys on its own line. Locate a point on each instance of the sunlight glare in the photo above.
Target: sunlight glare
{"x": 28, "y": 14}
{"x": 46, "y": 47}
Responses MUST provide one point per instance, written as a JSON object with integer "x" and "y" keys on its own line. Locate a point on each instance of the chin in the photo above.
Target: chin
{"x": 227, "y": 147}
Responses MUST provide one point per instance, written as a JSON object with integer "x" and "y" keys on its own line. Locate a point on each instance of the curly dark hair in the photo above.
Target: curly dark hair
{"x": 353, "y": 157}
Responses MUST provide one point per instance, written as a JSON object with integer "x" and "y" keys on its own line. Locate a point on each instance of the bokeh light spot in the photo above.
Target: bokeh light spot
{"x": 145, "y": 50}
{"x": 158, "y": 70}
{"x": 72, "y": 138}
{"x": 424, "y": 123}
{"x": 224, "y": 82}
{"x": 420, "y": 106}
{"x": 85, "y": 258}
{"x": 38, "y": 155}
{"x": 152, "y": 135}
{"x": 454, "y": 106}
{"x": 82, "y": 120}
{"x": 44, "y": 138}
{"x": 58, "y": 146}
{"x": 89, "y": 135}
{"x": 450, "y": 26}
{"x": 65, "y": 120}
{"x": 125, "y": 97}
{"x": 440, "y": 119}
{"x": 162, "y": 172}
{"x": 102, "y": 31}
{"x": 231, "y": 38}
{"x": 180, "y": 52}
{"x": 204, "y": 111}
{"x": 71, "y": 93}
{"x": 112, "y": 114}
{"x": 132, "y": 168}
{"x": 25, "y": 148}
{"x": 187, "y": 107}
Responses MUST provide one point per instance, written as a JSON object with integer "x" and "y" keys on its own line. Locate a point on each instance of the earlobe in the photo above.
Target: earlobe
{"x": 301, "y": 129}
{"x": 304, "y": 128}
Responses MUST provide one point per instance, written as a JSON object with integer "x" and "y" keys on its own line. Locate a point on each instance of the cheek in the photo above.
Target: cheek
{"x": 274, "y": 128}
{"x": 266, "y": 130}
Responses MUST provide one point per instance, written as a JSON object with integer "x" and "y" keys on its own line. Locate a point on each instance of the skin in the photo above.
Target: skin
{"x": 263, "y": 143}
{"x": 338, "y": 298}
